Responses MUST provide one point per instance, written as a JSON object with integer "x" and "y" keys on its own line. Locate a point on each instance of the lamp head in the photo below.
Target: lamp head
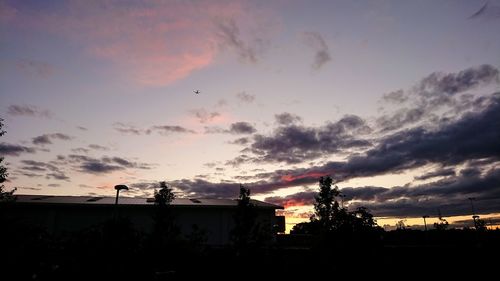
{"x": 121, "y": 187}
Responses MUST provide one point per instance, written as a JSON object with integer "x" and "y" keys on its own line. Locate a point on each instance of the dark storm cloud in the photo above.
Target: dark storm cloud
{"x": 438, "y": 96}
{"x": 246, "y": 98}
{"x": 28, "y": 110}
{"x": 453, "y": 83}
{"x": 475, "y": 137}
{"x": 14, "y": 149}
{"x": 322, "y": 54}
{"x": 229, "y": 38}
{"x": 286, "y": 118}
{"x": 47, "y": 138}
{"x": 450, "y": 195}
{"x": 294, "y": 144}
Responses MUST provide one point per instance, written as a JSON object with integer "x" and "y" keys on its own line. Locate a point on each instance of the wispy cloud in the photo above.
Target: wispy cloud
{"x": 487, "y": 12}
{"x": 235, "y": 128}
{"x": 14, "y": 149}
{"x": 205, "y": 116}
{"x": 154, "y": 42}
{"x": 322, "y": 53}
{"x": 245, "y": 97}
{"x": 47, "y": 138}
{"x": 35, "y": 68}
{"x": 28, "y": 110}
{"x": 230, "y": 38}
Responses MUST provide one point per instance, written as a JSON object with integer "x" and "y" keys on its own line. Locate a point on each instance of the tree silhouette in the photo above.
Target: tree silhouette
{"x": 244, "y": 221}
{"x": 163, "y": 218}
{"x": 5, "y": 196}
{"x": 442, "y": 224}
{"x": 326, "y": 206}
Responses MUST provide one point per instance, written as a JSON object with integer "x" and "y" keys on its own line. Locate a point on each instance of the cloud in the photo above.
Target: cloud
{"x": 47, "y": 138}
{"x": 439, "y": 173}
{"x": 487, "y": 12}
{"x": 241, "y": 141}
{"x": 14, "y": 149}
{"x": 237, "y": 128}
{"x": 128, "y": 129}
{"x": 322, "y": 54}
{"x": 450, "y": 195}
{"x": 244, "y": 97}
{"x": 34, "y": 68}
{"x": 103, "y": 165}
{"x": 229, "y": 37}
{"x": 397, "y": 97}
{"x": 286, "y": 118}
{"x": 166, "y": 130}
{"x": 305, "y": 198}
{"x": 98, "y": 147}
{"x": 163, "y": 130}
{"x": 453, "y": 83}
{"x": 28, "y": 110}
{"x": 97, "y": 167}
{"x": 205, "y": 116}
{"x": 438, "y": 96}
{"x": 154, "y": 42}
{"x": 242, "y": 128}
{"x": 51, "y": 171}
{"x": 294, "y": 144}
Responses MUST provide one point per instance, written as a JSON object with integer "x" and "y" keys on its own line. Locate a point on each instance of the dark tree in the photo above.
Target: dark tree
{"x": 326, "y": 205}
{"x": 164, "y": 229}
{"x": 244, "y": 221}
{"x": 164, "y": 196}
{"x": 5, "y": 196}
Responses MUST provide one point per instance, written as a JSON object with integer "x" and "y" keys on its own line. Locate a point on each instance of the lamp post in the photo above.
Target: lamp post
{"x": 118, "y": 188}
{"x": 474, "y": 217}
{"x": 425, "y": 223}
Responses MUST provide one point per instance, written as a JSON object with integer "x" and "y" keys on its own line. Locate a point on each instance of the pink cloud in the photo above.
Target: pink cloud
{"x": 154, "y": 42}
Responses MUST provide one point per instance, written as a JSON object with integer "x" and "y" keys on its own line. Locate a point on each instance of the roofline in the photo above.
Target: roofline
{"x": 145, "y": 205}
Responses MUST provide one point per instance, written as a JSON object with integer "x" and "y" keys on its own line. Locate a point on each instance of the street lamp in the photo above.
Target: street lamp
{"x": 425, "y": 223}
{"x": 474, "y": 217}
{"x": 118, "y": 188}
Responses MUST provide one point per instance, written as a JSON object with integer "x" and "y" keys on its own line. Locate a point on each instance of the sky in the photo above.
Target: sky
{"x": 397, "y": 101}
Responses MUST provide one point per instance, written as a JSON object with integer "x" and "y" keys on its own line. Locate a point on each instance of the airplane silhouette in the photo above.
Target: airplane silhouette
{"x": 196, "y": 91}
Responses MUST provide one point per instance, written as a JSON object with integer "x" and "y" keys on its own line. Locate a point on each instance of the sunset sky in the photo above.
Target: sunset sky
{"x": 398, "y": 101}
